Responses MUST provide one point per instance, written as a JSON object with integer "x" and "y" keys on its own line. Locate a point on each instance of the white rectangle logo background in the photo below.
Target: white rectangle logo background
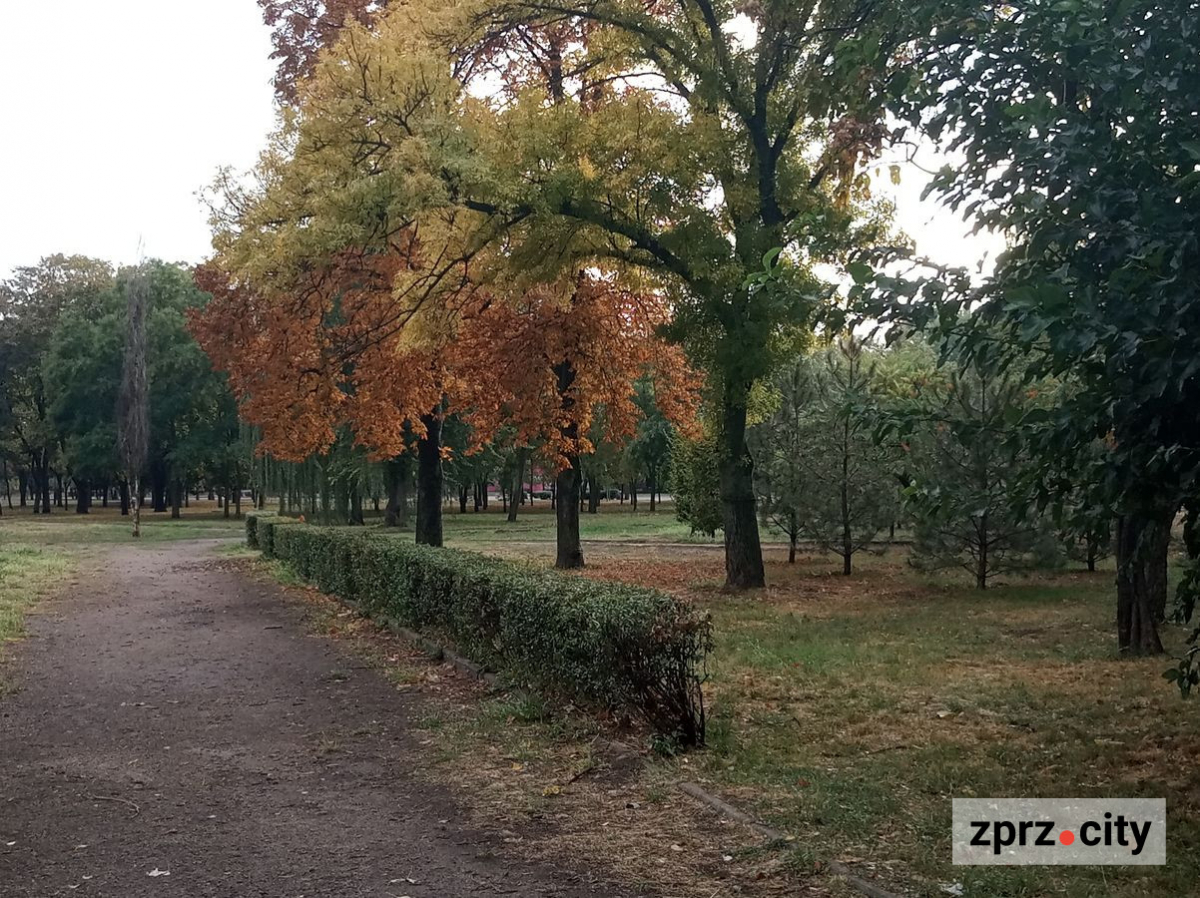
{"x": 1080, "y": 832}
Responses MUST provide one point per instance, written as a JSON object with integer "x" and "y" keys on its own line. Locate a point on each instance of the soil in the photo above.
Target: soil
{"x": 178, "y": 732}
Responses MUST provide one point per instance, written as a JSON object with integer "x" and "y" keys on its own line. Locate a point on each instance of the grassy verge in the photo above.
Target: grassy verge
{"x": 106, "y": 526}
{"x": 849, "y": 711}
{"x": 28, "y": 573}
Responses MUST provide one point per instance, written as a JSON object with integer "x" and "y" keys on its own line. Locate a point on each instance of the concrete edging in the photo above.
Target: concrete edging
{"x": 727, "y": 810}
{"x": 435, "y": 651}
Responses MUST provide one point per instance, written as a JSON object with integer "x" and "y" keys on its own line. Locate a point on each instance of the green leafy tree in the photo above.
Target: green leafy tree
{"x": 1075, "y": 122}
{"x": 821, "y": 471}
{"x": 971, "y": 493}
{"x": 33, "y": 302}
{"x": 649, "y": 452}
{"x": 696, "y": 483}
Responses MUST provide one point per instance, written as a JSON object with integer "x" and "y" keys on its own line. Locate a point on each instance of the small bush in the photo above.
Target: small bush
{"x": 607, "y": 645}
{"x": 252, "y": 531}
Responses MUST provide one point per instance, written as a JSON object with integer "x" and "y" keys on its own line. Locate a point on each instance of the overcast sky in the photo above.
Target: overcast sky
{"x": 116, "y": 114}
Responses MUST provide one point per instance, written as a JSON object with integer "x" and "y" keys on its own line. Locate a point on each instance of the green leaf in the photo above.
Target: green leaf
{"x": 861, "y": 272}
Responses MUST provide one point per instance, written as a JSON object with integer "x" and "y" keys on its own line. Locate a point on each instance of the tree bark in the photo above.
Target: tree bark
{"x": 158, "y": 486}
{"x": 395, "y": 477}
{"x": 847, "y": 535}
{"x": 124, "y": 488}
{"x": 567, "y": 484}
{"x": 743, "y": 550}
{"x": 83, "y": 497}
{"x": 1159, "y": 559}
{"x": 518, "y": 487}
{"x": 45, "y": 488}
{"x": 570, "y": 548}
{"x": 176, "y": 499}
{"x": 429, "y": 482}
{"x": 1140, "y": 551}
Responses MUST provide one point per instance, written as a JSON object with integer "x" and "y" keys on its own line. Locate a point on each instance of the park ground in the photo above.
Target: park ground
{"x": 846, "y": 712}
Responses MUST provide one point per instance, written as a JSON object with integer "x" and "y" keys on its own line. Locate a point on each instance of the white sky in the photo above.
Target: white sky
{"x": 115, "y": 115}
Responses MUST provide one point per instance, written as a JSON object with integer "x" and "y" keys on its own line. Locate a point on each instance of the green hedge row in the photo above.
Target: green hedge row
{"x": 609, "y": 645}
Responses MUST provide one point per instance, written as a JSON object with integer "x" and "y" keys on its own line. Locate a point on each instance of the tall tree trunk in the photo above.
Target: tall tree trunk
{"x": 429, "y": 482}
{"x": 567, "y": 483}
{"x": 567, "y": 489}
{"x": 45, "y": 488}
{"x": 1159, "y": 539}
{"x": 139, "y": 490}
{"x": 518, "y": 487}
{"x": 653, "y": 490}
{"x": 847, "y": 535}
{"x": 158, "y": 485}
{"x": 356, "y": 506}
{"x": 743, "y": 550}
{"x": 124, "y": 488}
{"x": 982, "y": 561}
{"x": 23, "y": 485}
{"x": 395, "y": 480}
{"x": 83, "y": 497}
{"x": 594, "y": 496}
{"x": 1138, "y": 581}
{"x": 176, "y": 499}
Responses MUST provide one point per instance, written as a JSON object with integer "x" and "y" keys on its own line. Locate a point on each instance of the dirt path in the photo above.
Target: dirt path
{"x": 174, "y": 716}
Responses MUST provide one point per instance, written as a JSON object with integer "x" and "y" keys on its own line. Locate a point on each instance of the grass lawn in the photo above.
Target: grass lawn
{"x": 846, "y": 711}
{"x": 27, "y": 574}
{"x": 849, "y": 711}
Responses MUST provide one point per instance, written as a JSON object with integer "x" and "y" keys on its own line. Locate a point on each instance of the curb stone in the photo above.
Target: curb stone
{"x": 435, "y": 651}
{"x": 836, "y": 867}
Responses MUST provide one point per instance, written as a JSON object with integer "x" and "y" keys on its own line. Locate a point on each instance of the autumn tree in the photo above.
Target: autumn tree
{"x": 570, "y": 360}
{"x": 302, "y": 29}
{"x": 645, "y": 140}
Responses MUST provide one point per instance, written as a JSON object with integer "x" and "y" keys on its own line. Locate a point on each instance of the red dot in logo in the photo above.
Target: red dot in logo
{"x": 1066, "y": 837}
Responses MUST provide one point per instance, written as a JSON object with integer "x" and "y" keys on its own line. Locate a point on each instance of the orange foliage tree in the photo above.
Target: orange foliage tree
{"x": 550, "y": 362}
{"x": 337, "y": 352}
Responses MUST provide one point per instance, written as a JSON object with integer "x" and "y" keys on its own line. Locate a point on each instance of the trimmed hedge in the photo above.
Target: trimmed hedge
{"x": 602, "y": 644}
